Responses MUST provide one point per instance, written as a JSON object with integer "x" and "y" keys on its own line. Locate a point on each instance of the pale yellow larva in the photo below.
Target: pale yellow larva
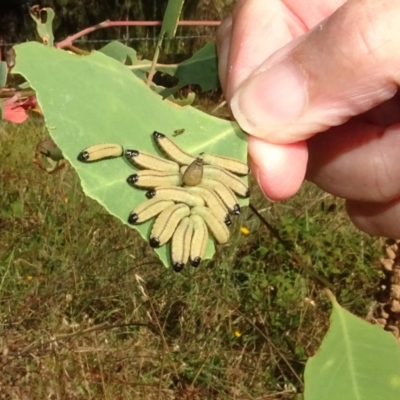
{"x": 148, "y": 178}
{"x": 172, "y": 150}
{"x": 180, "y": 244}
{"x": 232, "y": 181}
{"x": 100, "y": 152}
{"x": 166, "y": 223}
{"x": 177, "y": 194}
{"x": 212, "y": 201}
{"x": 198, "y": 244}
{"x": 145, "y": 160}
{"x": 217, "y": 227}
{"x": 148, "y": 209}
{"x": 235, "y": 166}
{"x": 225, "y": 194}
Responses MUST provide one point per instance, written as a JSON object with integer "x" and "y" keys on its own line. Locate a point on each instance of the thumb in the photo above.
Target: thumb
{"x": 345, "y": 66}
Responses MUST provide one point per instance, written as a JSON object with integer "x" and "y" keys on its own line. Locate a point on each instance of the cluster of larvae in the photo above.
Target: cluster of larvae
{"x": 190, "y": 196}
{"x": 387, "y": 310}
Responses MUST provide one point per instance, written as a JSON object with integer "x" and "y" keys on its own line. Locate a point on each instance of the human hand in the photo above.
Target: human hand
{"x": 290, "y": 70}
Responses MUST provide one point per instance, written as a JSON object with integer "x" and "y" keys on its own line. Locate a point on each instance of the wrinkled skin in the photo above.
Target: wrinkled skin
{"x": 315, "y": 83}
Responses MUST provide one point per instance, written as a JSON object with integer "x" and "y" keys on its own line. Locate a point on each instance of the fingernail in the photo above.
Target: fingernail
{"x": 276, "y": 96}
{"x": 260, "y": 178}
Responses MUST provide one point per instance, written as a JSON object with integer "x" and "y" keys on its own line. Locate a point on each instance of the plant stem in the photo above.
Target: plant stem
{"x": 155, "y": 58}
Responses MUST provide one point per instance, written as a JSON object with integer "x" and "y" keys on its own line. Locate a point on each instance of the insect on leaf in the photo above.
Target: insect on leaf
{"x": 94, "y": 99}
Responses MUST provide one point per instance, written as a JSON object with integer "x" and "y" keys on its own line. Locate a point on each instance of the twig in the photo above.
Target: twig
{"x": 5, "y": 94}
{"x": 76, "y": 50}
{"x": 287, "y": 245}
{"x": 155, "y": 59}
{"x": 139, "y": 66}
{"x": 68, "y": 41}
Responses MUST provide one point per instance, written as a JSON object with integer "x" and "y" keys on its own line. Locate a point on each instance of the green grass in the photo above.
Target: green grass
{"x": 88, "y": 312}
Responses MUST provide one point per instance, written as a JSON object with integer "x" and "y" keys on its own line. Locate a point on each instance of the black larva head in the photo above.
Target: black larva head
{"x": 132, "y": 219}
{"x": 195, "y": 262}
{"x": 158, "y": 135}
{"x": 132, "y": 179}
{"x": 131, "y": 153}
{"x": 151, "y": 193}
{"x": 236, "y": 209}
{"x": 227, "y": 220}
{"x": 178, "y": 266}
{"x": 247, "y": 193}
{"x": 154, "y": 242}
{"x": 83, "y": 156}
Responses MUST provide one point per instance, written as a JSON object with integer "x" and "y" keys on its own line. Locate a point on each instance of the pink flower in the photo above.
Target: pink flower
{"x": 15, "y": 110}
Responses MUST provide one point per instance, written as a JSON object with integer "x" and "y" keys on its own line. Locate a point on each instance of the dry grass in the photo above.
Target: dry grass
{"x": 88, "y": 312}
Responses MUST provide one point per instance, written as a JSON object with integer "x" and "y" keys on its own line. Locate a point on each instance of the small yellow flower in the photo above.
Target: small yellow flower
{"x": 238, "y": 334}
{"x": 244, "y": 230}
{"x": 66, "y": 200}
{"x": 29, "y": 277}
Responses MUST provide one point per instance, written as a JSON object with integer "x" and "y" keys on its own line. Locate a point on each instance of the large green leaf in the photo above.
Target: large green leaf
{"x": 128, "y": 56}
{"x": 96, "y": 99}
{"x": 356, "y": 361}
{"x": 200, "y": 69}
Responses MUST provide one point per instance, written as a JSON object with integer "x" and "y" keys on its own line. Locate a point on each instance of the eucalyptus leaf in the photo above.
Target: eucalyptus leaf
{"x": 95, "y": 99}
{"x": 44, "y": 29}
{"x": 356, "y": 360}
{"x": 186, "y": 101}
{"x": 200, "y": 69}
{"x": 171, "y": 18}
